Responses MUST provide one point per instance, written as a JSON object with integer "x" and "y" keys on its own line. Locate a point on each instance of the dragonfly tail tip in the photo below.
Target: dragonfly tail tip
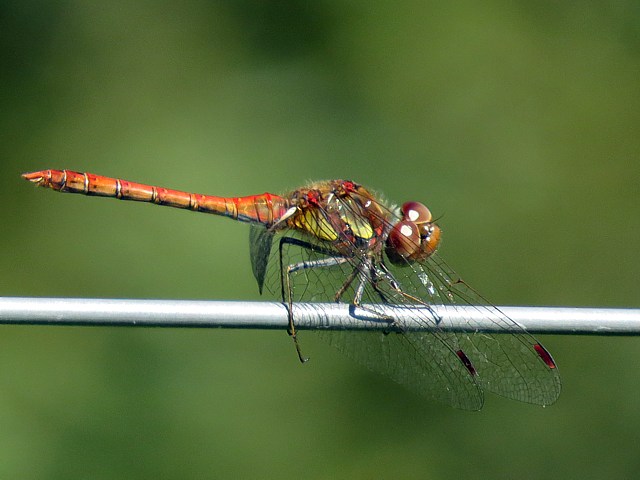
{"x": 35, "y": 177}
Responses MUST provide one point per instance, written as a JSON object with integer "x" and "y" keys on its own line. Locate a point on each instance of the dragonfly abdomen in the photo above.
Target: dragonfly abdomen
{"x": 265, "y": 208}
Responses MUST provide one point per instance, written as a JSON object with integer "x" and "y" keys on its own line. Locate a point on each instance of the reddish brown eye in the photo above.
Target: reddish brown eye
{"x": 416, "y": 212}
{"x": 403, "y": 241}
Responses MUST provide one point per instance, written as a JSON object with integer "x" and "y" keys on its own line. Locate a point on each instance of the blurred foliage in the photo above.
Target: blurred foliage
{"x": 516, "y": 122}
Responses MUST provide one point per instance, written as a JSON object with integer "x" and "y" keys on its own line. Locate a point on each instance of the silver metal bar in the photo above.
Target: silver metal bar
{"x": 273, "y": 315}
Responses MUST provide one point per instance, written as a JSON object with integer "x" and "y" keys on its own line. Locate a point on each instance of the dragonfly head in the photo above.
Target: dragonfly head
{"x": 414, "y": 237}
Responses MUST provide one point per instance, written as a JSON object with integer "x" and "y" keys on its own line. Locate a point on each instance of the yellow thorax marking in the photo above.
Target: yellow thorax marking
{"x": 315, "y": 222}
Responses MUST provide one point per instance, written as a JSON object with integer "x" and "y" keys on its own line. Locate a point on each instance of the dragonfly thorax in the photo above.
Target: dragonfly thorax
{"x": 414, "y": 237}
{"x": 338, "y": 211}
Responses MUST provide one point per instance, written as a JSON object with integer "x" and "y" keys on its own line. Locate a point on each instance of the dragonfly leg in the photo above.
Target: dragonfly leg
{"x": 379, "y": 273}
{"x": 396, "y": 286}
{"x": 285, "y": 279}
{"x": 363, "y": 279}
{"x": 374, "y": 275}
{"x": 345, "y": 285}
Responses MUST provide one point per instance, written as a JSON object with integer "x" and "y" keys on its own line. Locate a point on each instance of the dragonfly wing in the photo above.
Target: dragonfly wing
{"x": 422, "y": 362}
{"x": 260, "y": 240}
{"x": 450, "y": 367}
{"x": 512, "y": 364}
{"x": 411, "y": 360}
{"x": 509, "y": 364}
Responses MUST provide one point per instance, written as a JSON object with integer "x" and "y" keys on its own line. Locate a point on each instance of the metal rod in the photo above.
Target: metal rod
{"x": 272, "y": 315}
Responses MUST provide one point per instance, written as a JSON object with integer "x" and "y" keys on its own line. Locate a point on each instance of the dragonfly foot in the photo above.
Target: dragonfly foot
{"x": 302, "y": 358}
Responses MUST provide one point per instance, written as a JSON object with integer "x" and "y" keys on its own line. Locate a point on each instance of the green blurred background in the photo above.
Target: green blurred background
{"x": 518, "y": 122}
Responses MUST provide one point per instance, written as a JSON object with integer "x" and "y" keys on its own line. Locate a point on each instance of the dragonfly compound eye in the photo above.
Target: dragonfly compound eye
{"x": 415, "y": 237}
{"x": 416, "y": 212}
{"x": 403, "y": 242}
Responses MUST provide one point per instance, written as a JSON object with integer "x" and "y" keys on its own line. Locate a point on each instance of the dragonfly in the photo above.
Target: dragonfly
{"x": 337, "y": 241}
